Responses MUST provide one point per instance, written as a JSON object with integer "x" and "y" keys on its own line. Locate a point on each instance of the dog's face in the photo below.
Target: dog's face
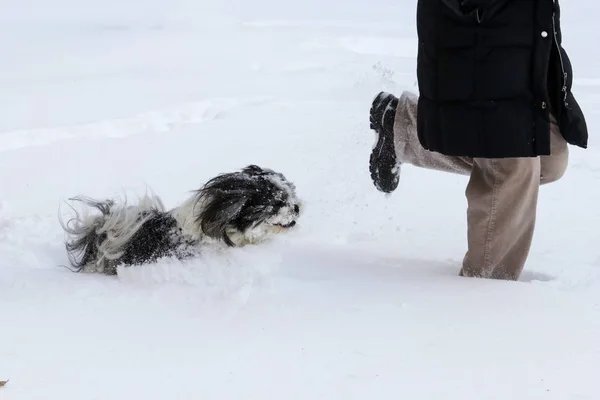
{"x": 247, "y": 206}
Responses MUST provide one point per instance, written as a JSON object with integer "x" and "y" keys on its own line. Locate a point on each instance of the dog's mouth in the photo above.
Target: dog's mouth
{"x": 286, "y": 226}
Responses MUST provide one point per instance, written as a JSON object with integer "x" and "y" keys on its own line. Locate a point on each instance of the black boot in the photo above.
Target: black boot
{"x": 384, "y": 167}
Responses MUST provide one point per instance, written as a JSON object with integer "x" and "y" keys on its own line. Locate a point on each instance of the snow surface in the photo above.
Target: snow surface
{"x": 362, "y": 301}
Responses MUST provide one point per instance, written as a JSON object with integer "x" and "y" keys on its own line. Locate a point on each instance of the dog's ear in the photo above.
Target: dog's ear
{"x": 217, "y": 214}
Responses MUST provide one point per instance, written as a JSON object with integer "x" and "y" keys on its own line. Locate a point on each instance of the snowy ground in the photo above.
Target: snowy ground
{"x": 362, "y": 301}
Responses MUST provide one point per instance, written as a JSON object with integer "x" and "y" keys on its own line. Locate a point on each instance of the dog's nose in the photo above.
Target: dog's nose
{"x": 292, "y": 224}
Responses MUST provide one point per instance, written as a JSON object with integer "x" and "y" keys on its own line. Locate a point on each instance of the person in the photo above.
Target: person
{"x": 495, "y": 103}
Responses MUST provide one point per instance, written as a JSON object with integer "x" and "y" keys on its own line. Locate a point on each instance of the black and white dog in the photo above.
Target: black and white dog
{"x": 232, "y": 209}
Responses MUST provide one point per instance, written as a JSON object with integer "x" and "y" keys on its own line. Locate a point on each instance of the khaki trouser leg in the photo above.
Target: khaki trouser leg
{"x": 409, "y": 149}
{"x": 502, "y": 199}
{"x": 502, "y": 195}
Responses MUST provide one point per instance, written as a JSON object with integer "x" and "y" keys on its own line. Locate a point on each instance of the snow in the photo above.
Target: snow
{"x": 362, "y": 300}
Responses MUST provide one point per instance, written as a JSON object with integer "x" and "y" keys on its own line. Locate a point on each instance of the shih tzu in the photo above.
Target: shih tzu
{"x": 232, "y": 209}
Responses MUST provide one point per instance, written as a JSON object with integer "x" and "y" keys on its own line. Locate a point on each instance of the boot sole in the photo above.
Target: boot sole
{"x": 383, "y": 163}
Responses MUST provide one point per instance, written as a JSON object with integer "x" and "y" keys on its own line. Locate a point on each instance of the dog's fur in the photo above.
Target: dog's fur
{"x": 234, "y": 209}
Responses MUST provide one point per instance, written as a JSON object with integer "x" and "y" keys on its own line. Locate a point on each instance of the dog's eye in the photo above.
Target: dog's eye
{"x": 296, "y": 208}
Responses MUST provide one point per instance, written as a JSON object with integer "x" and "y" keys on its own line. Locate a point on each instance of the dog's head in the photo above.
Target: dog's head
{"x": 247, "y": 206}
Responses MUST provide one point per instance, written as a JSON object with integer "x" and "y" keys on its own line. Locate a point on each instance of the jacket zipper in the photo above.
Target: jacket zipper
{"x": 562, "y": 65}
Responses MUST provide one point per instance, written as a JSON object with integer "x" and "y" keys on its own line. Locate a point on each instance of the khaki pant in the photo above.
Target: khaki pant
{"x": 502, "y": 195}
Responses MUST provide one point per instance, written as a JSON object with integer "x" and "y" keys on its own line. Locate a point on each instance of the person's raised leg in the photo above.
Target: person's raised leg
{"x": 393, "y": 119}
{"x": 408, "y": 148}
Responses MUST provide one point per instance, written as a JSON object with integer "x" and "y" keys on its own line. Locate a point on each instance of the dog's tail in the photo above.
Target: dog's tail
{"x": 100, "y": 237}
{"x": 86, "y": 232}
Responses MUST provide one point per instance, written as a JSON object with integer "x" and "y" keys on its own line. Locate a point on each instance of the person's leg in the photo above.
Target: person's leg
{"x": 502, "y": 199}
{"x": 408, "y": 148}
{"x": 394, "y": 121}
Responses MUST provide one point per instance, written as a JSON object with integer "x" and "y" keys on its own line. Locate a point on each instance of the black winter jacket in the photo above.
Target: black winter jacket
{"x": 489, "y": 74}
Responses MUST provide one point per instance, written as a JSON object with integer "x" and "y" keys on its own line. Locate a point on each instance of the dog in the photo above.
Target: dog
{"x": 233, "y": 209}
